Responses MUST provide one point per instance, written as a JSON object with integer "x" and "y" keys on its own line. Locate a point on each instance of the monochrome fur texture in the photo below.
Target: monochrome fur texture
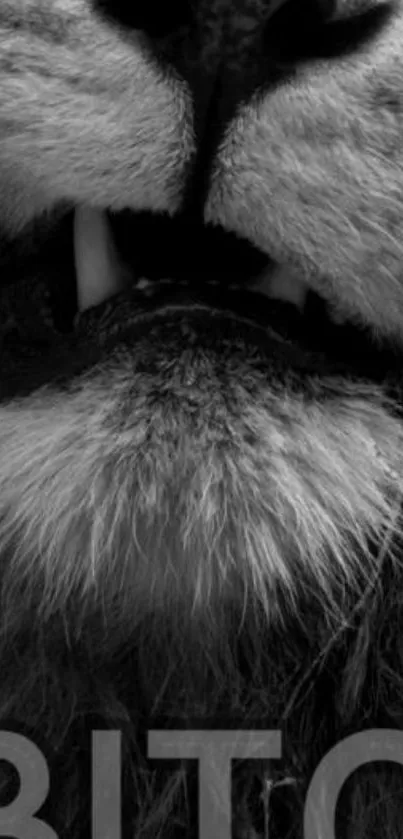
{"x": 198, "y": 533}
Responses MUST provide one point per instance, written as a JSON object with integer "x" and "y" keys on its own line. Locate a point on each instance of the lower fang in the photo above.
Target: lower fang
{"x": 99, "y": 271}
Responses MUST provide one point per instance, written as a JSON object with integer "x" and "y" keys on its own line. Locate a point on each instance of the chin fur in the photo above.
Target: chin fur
{"x": 160, "y": 569}
{"x": 118, "y": 490}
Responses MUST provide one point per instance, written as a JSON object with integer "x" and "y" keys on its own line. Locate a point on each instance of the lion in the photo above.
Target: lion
{"x": 201, "y": 420}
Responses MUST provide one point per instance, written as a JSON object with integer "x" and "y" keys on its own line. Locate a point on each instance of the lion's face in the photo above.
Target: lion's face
{"x": 227, "y": 429}
{"x": 201, "y": 321}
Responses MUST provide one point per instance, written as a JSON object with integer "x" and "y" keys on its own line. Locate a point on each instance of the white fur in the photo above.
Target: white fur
{"x": 105, "y": 490}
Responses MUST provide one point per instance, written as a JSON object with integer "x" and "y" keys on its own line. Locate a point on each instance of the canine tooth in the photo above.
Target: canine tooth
{"x": 99, "y": 271}
{"x": 282, "y": 283}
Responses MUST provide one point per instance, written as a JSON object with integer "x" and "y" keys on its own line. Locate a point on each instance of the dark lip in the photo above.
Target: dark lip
{"x": 282, "y": 319}
{"x": 233, "y": 324}
{"x": 306, "y": 343}
{"x": 309, "y": 342}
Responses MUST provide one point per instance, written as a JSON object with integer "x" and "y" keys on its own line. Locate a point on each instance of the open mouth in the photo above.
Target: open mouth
{"x": 113, "y": 276}
{"x": 166, "y": 263}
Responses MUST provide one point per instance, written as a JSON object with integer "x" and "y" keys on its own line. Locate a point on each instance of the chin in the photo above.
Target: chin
{"x": 201, "y": 415}
{"x": 199, "y": 525}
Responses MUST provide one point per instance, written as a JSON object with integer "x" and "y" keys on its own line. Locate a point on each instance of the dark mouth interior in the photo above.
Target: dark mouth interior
{"x": 157, "y": 247}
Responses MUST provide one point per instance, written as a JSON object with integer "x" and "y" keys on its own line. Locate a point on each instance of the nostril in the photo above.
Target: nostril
{"x": 156, "y": 19}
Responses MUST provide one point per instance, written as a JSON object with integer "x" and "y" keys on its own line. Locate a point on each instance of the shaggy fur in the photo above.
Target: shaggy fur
{"x": 194, "y": 533}
{"x": 154, "y": 487}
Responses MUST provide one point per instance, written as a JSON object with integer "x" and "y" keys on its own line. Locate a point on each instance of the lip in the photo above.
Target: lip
{"x": 187, "y": 303}
{"x": 281, "y": 319}
{"x": 206, "y": 315}
{"x": 273, "y": 329}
